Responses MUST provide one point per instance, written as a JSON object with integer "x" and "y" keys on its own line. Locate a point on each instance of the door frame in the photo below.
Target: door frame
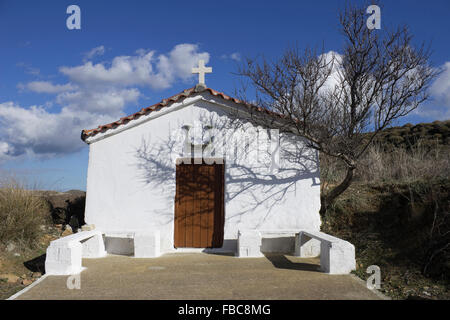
{"x": 219, "y": 201}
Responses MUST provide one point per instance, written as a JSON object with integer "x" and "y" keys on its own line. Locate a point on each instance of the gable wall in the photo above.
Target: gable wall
{"x": 131, "y": 181}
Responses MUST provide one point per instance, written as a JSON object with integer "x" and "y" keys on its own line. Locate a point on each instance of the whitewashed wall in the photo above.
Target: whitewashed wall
{"x": 131, "y": 178}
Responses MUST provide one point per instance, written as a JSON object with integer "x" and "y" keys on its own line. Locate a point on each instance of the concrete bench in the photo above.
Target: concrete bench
{"x": 64, "y": 255}
{"x": 249, "y": 244}
{"x": 337, "y": 256}
{"x": 250, "y": 241}
{"x": 147, "y": 244}
{"x": 120, "y": 243}
{"x": 140, "y": 244}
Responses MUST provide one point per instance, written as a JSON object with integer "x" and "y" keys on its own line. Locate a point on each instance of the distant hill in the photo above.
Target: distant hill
{"x": 429, "y": 134}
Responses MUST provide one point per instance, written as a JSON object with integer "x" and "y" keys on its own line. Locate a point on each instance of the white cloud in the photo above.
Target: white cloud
{"x": 47, "y": 87}
{"x": 236, "y": 56}
{"x": 97, "y": 51}
{"x": 93, "y": 94}
{"x": 5, "y": 151}
{"x": 35, "y": 131}
{"x": 333, "y": 59}
{"x": 441, "y": 86}
{"x": 29, "y": 69}
{"x": 124, "y": 70}
{"x": 179, "y": 62}
{"x": 108, "y": 101}
{"x": 142, "y": 69}
{"x": 438, "y": 107}
{"x": 433, "y": 112}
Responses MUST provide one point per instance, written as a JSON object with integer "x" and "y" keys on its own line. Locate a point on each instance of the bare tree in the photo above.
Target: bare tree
{"x": 340, "y": 102}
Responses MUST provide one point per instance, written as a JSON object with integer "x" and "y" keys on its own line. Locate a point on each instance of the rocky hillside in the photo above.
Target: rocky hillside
{"x": 66, "y": 207}
{"x": 22, "y": 259}
{"x": 437, "y": 132}
{"x": 402, "y": 228}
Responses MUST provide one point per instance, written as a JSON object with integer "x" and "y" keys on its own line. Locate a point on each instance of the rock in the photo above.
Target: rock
{"x": 67, "y": 231}
{"x": 64, "y": 205}
{"x": 59, "y": 215}
{"x": 10, "y": 247}
{"x": 27, "y": 282}
{"x": 88, "y": 227}
{"x": 24, "y": 276}
{"x": 10, "y": 278}
{"x": 74, "y": 223}
{"x": 36, "y": 274}
{"x": 16, "y": 254}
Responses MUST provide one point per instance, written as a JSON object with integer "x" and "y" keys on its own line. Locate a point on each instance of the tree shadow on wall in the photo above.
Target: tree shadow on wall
{"x": 250, "y": 184}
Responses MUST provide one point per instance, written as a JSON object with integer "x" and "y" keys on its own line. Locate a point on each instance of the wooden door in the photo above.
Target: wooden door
{"x": 199, "y": 206}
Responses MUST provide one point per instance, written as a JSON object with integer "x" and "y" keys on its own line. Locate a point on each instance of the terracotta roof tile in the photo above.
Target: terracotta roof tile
{"x": 178, "y": 97}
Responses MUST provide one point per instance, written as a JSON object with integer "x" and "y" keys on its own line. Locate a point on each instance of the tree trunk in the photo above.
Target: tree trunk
{"x": 326, "y": 200}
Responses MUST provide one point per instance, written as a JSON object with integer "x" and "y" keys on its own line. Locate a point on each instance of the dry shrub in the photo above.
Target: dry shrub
{"x": 419, "y": 162}
{"x": 332, "y": 171}
{"x": 22, "y": 213}
{"x": 386, "y": 163}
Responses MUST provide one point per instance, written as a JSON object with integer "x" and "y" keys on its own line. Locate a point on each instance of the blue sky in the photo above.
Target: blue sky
{"x": 131, "y": 54}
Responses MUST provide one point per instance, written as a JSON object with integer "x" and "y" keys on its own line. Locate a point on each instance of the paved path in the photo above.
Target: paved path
{"x": 202, "y": 276}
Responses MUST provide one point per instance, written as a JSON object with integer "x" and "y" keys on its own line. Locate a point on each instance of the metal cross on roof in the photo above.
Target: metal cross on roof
{"x": 201, "y": 70}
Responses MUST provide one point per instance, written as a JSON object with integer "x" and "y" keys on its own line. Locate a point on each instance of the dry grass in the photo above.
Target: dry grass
{"x": 396, "y": 213}
{"x": 387, "y": 164}
{"x": 402, "y": 228}
{"x": 420, "y": 162}
{"x": 22, "y": 214}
